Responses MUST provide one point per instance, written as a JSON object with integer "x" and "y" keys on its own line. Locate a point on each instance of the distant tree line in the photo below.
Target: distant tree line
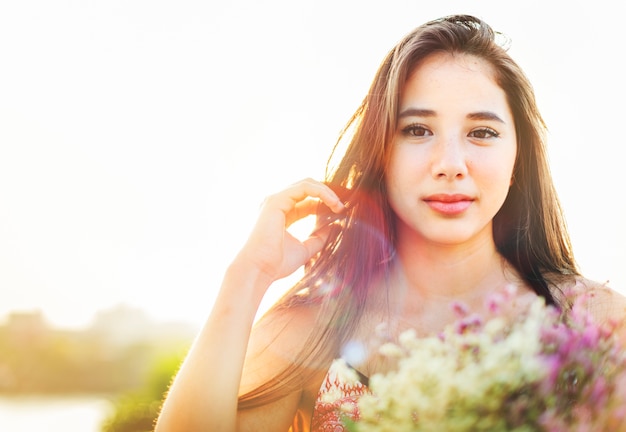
{"x": 46, "y": 361}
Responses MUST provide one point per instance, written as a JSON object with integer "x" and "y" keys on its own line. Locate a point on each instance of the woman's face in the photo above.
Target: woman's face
{"x": 453, "y": 152}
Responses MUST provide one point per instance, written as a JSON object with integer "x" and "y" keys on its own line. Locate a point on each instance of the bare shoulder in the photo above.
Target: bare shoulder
{"x": 605, "y": 304}
{"x": 276, "y": 341}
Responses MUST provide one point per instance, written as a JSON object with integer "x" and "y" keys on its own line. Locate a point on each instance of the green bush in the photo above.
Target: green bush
{"x": 137, "y": 411}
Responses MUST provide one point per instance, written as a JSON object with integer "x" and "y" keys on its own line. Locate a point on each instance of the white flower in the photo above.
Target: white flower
{"x": 491, "y": 375}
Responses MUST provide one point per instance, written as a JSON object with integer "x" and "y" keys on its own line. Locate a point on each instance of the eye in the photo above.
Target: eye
{"x": 483, "y": 133}
{"x": 416, "y": 130}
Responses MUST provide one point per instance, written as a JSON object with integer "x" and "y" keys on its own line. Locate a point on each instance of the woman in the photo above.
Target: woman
{"x": 443, "y": 194}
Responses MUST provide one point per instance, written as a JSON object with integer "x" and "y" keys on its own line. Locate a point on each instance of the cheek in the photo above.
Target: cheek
{"x": 492, "y": 170}
{"x": 405, "y": 163}
{"x": 396, "y": 180}
{"x": 392, "y": 188}
{"x": 392, "y": 169}
{"x": 497, "y": 177}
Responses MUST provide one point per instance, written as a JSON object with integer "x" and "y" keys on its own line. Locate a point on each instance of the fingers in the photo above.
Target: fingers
{"x": 314, "y": 245}
{"x": 303, "y": 198}
{"x": 310, "y": 188}
{"x": 301, "y": 210}
{"x": 275, "y": 250}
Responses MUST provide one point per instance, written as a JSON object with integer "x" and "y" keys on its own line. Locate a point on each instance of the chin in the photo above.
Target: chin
{"x": 448, "y": 237}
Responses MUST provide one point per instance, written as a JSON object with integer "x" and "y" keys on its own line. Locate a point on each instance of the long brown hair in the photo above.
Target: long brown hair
{"x": 529, "y": 230}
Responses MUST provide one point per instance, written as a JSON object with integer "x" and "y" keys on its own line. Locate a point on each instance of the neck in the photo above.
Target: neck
{"x": 451, "y": 272}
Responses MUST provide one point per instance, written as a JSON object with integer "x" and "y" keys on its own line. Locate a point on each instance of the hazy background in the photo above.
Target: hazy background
{"x": 139, "y": 137}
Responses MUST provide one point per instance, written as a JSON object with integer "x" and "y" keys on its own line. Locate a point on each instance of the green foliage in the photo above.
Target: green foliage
{"x": 133, "y": 413}
{"x": 137, "y": 411}
{"x": 162, "y": 372}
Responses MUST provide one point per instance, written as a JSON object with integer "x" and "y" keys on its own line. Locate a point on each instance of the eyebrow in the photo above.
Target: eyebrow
{"x": 484, "y": 115}
{"x": 417, "y": 112}
{"x": 479, "y": 115}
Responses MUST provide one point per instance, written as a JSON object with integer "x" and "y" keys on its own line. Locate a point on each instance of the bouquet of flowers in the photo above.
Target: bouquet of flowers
{"x": 543, "y": 372}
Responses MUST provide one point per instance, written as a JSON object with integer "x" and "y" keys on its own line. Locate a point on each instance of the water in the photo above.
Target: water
{"x": 52, "y": 414}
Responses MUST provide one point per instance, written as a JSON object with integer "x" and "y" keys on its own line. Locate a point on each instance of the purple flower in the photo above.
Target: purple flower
{"x": 461, "y": 310}
{"x": 599, "y": 392}
{"x": 469, "y": 323}
{"x": 553, "y": 367}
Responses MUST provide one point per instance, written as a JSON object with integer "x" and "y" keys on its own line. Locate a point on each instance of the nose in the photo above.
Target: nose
{"x": 449, "y": 160}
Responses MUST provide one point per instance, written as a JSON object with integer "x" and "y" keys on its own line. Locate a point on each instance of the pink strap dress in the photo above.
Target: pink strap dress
{"x": 337, "y": 396}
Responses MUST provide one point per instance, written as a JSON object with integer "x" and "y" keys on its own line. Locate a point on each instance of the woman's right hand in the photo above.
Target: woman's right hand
{"x": 204, "y": 394}
{"x": 270, "y": 248}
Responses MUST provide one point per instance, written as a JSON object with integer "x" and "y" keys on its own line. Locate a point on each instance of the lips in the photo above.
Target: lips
{"x": 449, "y": 204}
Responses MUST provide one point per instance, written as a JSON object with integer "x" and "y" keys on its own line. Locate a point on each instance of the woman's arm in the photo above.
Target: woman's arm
{"x": 204, "y": 393}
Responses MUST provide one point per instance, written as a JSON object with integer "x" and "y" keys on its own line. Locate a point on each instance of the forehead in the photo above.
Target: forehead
{"x": 456, "y": 78}
{"x": 440, "y": 64}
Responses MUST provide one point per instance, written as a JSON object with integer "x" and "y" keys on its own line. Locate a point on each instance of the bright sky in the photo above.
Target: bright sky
{"x": 138, "y": 138}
